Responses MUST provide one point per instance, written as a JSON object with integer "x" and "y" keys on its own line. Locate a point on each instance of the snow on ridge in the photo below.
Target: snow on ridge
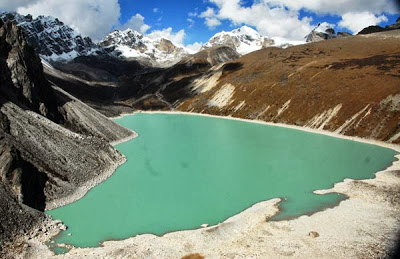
{"x": 52, "y": 39}
{"x": 244, "y": 40}
{"x": 132, "y": 44}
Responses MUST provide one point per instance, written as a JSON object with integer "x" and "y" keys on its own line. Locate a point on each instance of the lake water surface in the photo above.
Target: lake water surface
{"x": 185, "y": 170}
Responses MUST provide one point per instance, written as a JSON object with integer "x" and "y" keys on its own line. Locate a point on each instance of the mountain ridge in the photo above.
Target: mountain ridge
{"x": 244, "y": 40}
{"x": 130, "y": 44}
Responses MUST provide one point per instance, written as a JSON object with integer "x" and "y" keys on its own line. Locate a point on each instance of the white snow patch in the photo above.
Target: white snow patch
{"x": 223, "y": 96}
{"x": 62, "y": 57}
{"x": 320, "y": 120}
{"x": 283, "y": 108}
{"x": 349, "y": 122}
{"x": 263, "y": 112}
{"x": 245, "y": 40}
{"x": 208, "y": 81}
{"x": 239, "y": 106}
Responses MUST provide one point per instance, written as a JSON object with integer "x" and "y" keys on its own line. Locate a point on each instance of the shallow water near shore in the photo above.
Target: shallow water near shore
{"x": 185, "y": 170}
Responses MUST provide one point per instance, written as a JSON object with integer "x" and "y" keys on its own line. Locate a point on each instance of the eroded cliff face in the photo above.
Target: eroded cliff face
{"x": 53, "y": 148}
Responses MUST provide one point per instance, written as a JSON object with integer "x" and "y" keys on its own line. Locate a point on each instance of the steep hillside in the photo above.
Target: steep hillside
{"x": 53, "y": 147}
{"x": 348, "y": 85}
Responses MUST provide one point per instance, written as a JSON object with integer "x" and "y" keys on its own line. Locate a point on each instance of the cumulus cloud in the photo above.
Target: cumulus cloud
{"x": 92, "y": 18}
{"x": 14, "y": 4}
{"x": 269, "y": 17}
{"x": 279, "y": 18}
{"x": 195, "y": 47}
{"x": 211, "y": 19}
{"x": 191, "y": 22}
{"x": 175, "y": 37}
{"x": 136, "y": 23}
{"x": 355, "y": 22}
{"x": 338, "y": 7}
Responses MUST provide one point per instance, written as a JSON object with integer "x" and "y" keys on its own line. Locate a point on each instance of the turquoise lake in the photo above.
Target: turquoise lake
{"x": 185, "y": 170}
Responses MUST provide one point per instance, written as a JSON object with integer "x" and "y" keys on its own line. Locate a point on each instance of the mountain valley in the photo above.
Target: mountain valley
{"x": 58, "y": 91}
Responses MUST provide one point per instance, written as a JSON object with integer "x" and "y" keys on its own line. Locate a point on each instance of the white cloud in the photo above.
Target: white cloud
{"x": 175, "y": 37}
{"x": 193, "y": 14}
{"x": 212, "y": 22}
{"x": 355, "y": 22}
{"x": 136, "y": 22}
{"x": 92, "y": 18}
{"x": 195, "y": 47}
{"x": 338, "y": 7}
{"x": 191, "y": 22}
{"x": 210, "y": 12}
{"x": 155, "y": 10}
{"x": 272, "y": 21}
{"x": 12, "y": 5}
{"x": 281, "y": 18}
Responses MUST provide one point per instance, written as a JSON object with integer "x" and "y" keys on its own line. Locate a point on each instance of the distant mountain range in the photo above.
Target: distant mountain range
{"x": 131, "y": 44}
{"x": 55, "y": 41}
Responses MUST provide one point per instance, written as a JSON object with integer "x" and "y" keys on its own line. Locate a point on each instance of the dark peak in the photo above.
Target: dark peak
{"x": 330, "y": 31}
{"x": 372, "y": 29}
{"x": 22, "y": 79}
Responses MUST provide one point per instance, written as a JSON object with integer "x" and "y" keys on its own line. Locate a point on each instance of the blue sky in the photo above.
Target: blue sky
{"x": 195, "y": 21}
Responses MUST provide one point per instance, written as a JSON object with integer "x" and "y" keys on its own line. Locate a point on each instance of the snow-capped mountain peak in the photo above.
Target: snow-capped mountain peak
{"x": 246, "y": 30}
{"x": 323, "y": 31}
{"x": 51, "y": 38}
{"x": 131, "y": 44}
{"x": 244, "y": 40}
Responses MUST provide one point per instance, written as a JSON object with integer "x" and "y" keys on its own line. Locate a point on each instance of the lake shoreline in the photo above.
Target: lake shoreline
{"x": 246, "y": 219}
{"x": 306, "y": 129}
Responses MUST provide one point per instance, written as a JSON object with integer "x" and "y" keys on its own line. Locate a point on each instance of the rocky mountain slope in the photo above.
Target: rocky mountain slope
{"x": 244, "y": 40}
{"x": 51, "y": 38}
{"x": 131, "y": 44}
{"x": 52, "y": 146}
{"x": 349, "y": 86}
{"x": 345, "y": 85}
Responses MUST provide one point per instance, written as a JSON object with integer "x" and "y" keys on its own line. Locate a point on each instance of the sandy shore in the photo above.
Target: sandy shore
{"x": 364, "y": 226}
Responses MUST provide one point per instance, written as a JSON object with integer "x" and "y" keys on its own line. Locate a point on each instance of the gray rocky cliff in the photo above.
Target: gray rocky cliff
{"x": 53, "y": 147}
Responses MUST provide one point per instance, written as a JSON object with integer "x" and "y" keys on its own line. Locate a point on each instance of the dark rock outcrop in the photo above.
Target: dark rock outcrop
{"x": 53, "y": 147}
{"x": 376, "y": 28}
{"x": 372, "y": 29}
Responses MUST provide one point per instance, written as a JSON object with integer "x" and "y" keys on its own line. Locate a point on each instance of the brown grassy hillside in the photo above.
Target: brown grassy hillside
{"x": 348, "y": 85}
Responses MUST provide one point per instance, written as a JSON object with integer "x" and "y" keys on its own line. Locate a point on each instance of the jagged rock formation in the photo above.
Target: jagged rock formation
{"x": 51, "y": 38}
{"x": 377, "y": 28}
{"x": 131, "y": 44}
{"x": 321, "y": 32}
{"x": 52, "y": 146}
{"x": 243, "y": 40}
